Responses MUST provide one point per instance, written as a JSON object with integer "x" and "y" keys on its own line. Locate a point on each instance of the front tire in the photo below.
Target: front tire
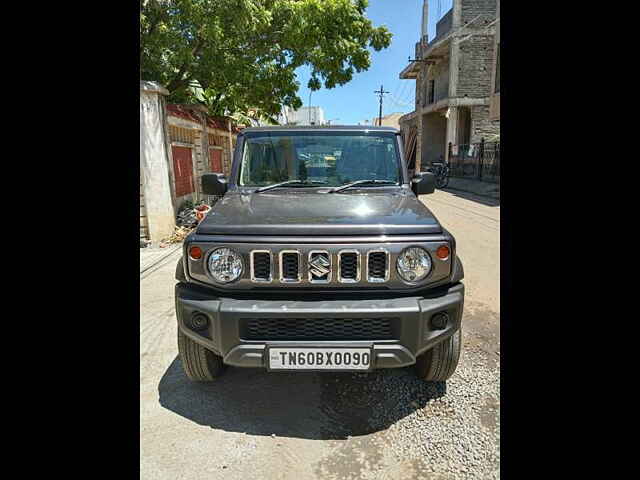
{"x": 439, "y": 363}
{"x": 200, "y": 364}
{"x": 445, "y": 180}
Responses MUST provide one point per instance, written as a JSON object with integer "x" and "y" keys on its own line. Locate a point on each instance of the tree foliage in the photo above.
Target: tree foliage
{"x": 232, "y": 55}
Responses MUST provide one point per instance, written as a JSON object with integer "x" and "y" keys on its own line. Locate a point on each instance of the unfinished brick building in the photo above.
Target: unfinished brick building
{"x": 454, "y": 74}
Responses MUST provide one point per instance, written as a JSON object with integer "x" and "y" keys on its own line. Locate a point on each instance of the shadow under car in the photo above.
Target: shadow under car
{"x": 311, "y": 405}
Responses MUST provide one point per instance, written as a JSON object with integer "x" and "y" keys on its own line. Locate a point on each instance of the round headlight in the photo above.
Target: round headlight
{"x": 225, "y": 265}
{"x": 413, "y": 264}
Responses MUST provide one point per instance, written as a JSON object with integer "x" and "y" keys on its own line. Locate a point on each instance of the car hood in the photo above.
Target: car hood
{"x": 315, "y": 214}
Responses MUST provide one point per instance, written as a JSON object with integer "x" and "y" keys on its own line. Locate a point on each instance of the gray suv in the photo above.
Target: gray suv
{"x": 319, "y": 256}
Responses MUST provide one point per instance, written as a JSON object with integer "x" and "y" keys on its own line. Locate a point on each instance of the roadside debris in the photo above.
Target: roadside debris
{"x": 178, "y": 236}
{"x": 190, "y": 215}
{"x": 186, "y": 221}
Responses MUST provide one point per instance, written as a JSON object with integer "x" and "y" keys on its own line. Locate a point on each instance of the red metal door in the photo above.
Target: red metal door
{"x": 182, "y": 170}
{"x": 215, "y": 159}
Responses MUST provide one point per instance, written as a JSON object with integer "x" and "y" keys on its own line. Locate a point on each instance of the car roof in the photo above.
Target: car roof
{"x": 289, "y": 128}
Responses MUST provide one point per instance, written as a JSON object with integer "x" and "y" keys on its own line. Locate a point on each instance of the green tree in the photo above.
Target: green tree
{"x": 232, "y": 55}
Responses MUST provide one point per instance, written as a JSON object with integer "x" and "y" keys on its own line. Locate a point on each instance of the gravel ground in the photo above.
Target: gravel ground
{"x": 443, "y": 430}
{"x": 381, "y": 425}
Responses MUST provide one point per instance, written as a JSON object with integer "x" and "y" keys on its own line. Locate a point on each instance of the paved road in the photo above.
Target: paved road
{"x": 383, "y": 425}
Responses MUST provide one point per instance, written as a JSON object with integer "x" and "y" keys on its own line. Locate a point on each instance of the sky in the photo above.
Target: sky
{"x": 355, "y": 101}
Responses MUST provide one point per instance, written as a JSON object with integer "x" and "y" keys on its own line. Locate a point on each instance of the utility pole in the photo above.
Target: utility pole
{"x": 381, "y": 93}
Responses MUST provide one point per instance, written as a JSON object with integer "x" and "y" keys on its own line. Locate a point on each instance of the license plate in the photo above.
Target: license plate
{"x": 287, "y": 358}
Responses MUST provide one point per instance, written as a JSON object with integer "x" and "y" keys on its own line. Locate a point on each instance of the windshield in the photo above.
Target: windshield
{"x": 336, "y": 158}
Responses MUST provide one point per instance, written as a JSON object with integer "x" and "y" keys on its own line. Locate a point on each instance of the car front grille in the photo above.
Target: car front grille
{"x": 265, "y": 329}
{"x": 320, "y": 266}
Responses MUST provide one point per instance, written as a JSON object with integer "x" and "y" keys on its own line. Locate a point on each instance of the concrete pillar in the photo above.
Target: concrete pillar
{"x": 452, "y": 131}
{"x": 228, "y": 161}
{"x": 420, "y": 127}
{"x": 454, "y": 67}
{"x": 198, "y": 154}
{"x": 456, "y": 14}
{"x": 454, "y": 50}
{"x": 154, "y": 162}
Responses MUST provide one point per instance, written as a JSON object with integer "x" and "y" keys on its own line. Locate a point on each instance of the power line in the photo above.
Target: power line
{"x": 381, "y": 94}
{"x": 401, "y": 103}
{"x": 409, "y": 93}
{"x": 403, "y": 91}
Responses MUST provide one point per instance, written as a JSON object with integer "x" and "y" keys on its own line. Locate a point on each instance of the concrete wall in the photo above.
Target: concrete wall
{"x": 438, "y": 72}
{"x": 155, "y": 184}
{"x": 469, "y": 9}
{"x": 494, "y": 111}
{"x": 475, "y": 67}
{"x": 482, "y": 125}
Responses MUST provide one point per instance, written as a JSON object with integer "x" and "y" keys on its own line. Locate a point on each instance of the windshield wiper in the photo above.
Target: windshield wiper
{"x": 289, "y": 182}
{"x": 361, "y": 182}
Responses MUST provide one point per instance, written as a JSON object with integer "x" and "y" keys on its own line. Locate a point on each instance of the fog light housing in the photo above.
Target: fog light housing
{"x": 198, "y": 321}
{"x": 439, "y": 321}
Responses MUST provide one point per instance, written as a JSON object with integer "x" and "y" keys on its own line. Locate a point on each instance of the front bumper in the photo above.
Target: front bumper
{"x": 413, "y": 333}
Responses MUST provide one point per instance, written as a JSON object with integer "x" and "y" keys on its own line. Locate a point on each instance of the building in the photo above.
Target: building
{"x": 494, "y": 108}
{"x": 454, "y": 74}
{"x": 302, "y": 116}
{"x": 178, "y": 143}
{"x": 200, "y": 144}
{"x": 391, "y": 120}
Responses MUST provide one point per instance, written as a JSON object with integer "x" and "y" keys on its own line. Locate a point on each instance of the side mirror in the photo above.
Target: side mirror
{"x": 214, "y": 184}
{"x": 423, "y": 183}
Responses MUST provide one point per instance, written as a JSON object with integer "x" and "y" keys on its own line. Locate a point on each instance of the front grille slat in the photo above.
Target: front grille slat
{"x": 261, "y": 266}
{"x": 377, "y": 268}
{"x": 317, "y": 329}
{"x": 349, "y": 268}
{"x": 290, "y": 266}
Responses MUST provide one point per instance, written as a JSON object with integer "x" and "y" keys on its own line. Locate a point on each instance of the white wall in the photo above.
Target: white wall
{"x": 303, "y": 116}
{"x": 154, "y": 161}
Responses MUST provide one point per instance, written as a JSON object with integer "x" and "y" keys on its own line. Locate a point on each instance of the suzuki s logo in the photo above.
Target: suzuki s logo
{"x": 319, "y": 267}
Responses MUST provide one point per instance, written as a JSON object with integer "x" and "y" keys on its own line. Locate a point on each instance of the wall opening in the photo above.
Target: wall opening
{"x": 434, "y": 138}
{"x": 464, "y": 125}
